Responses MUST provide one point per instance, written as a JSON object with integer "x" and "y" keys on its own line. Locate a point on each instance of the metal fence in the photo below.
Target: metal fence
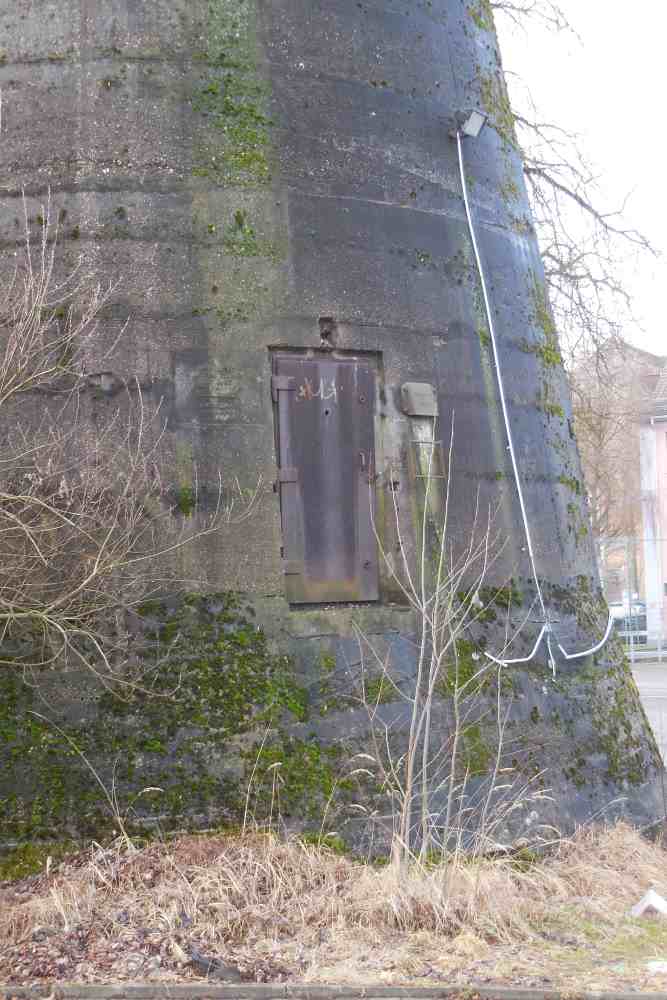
{"x": 634, "y": 579}
{"x": 631, "y": 569}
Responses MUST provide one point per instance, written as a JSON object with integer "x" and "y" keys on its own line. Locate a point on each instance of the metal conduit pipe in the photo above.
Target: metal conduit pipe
{"x": 547, "y": 629}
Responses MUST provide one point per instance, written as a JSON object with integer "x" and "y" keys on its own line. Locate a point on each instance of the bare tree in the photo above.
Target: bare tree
{"x": 87, "y": 522}
{"x": 544, "y": 10}
{"x": 585, "y": 244}
{"x": 585, "y": 247}
{"x": 610, "y": 387}
{"x": 439, "y": 802}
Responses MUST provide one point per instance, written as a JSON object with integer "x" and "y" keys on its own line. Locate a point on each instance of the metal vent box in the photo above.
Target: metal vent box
{"x": 419, "y": 399}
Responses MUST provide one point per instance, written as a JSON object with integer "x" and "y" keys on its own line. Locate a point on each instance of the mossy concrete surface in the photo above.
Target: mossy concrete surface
{"x": 225, "y": 727}
{"x": 238, "y": 170}
{"x": 180, "y": 745}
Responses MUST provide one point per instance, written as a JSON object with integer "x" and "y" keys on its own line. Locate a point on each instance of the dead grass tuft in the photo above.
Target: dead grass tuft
{"x": 283, "y": 909}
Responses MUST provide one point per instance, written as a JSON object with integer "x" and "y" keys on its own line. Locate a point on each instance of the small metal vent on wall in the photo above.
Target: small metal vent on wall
{"x": 419, "y": 399}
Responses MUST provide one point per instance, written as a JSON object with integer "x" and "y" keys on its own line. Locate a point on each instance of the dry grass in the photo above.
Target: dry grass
{"x": 285, "y": 910}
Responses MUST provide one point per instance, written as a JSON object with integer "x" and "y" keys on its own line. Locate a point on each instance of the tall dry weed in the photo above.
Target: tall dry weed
{"x": 223, "y": 891}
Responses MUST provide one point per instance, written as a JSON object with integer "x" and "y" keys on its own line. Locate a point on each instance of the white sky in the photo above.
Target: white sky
{"x": 610, "y": 88}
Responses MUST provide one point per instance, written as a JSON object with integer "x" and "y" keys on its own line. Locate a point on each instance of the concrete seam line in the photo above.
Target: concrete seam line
{"x": 203, "y": 991}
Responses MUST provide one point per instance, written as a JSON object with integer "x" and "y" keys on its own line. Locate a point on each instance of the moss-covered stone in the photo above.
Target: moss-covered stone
{"x": 241, "y": 240}
{"x": 379, "y": 691}
{"x": 506, "y": 597}
{"x": 547, "y": 347}
{"x": 232, "y": 99}
{"x": 481, "y": 13}
{"x": 292, "y": 777}
{"x": 484, "y": 336}
{"x": 32, "y": 858}
{"x": 205, "y": 681}
{"x": 463, "y": 672}
{"x": 572, "y": 483}
{"x": 608, "y": 702}
{"x": 495, "y": 101}
{"x": 478, "y": 755}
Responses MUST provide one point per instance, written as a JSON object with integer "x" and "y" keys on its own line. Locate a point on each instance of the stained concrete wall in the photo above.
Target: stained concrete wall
{"x": 333, "y": 151}
{"x": 240, "y": 169}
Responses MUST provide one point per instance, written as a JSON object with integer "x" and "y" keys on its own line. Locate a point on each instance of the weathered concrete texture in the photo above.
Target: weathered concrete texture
{"x": 244, "y": 167}
{"x": 199, "y": 991}
{"x": 206, "y": 991}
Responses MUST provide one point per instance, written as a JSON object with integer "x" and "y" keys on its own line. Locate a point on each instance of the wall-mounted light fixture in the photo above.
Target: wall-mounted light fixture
{"x": 471, "y": 123}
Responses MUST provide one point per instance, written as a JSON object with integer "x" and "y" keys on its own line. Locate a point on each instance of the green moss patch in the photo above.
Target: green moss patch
{"x": 241, "y": 240}
{"x": 481, "y": 13}
{"x": 606, "y": 698}
{"x": 571, "y": 483}
{"x": 506, "y": 597}
{"x": 295, "y": 778}
{"x": 32, "y": 858}
{"x": 206, "y": 683}
{"x": 484, "y": 336}
{"x": 233, "y": 99}
{"x": 477, "y": 754}
{"x": 547, "y": 347}
{"x": 495, "y": 101}
{"x": 380, "y": 691}
{"x": 460, "y": 672}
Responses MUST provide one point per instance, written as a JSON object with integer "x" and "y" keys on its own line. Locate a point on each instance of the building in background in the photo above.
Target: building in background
{"x": 612, "y": 389}
{"x": 653, "y": 451}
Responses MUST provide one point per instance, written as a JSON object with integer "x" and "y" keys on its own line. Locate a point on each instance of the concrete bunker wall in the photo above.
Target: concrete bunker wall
{"x": 259, "y": 177}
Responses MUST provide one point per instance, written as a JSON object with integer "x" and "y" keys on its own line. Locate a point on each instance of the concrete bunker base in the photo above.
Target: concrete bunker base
{"x": 261, "y": 712}
{"x": 256, "y": 177}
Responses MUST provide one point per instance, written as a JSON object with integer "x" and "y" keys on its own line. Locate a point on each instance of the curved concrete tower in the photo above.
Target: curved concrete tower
{"x": 274, "y": 187}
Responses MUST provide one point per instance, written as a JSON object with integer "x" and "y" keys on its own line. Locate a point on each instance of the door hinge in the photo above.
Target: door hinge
{"x": 281, "y": 383}
{"x": 287, "y": 475}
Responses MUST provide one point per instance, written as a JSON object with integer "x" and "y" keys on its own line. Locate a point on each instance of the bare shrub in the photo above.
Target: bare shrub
{"x": 546, "y": 11}
{"x": 440, "y": 800}
{"x": 586, "y": 243}
{"x": 87, "y": 520}
{"x": 286, "y": 909}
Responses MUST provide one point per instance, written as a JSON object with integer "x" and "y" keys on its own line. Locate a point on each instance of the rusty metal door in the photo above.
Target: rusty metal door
{"x": 326, "y": 457}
